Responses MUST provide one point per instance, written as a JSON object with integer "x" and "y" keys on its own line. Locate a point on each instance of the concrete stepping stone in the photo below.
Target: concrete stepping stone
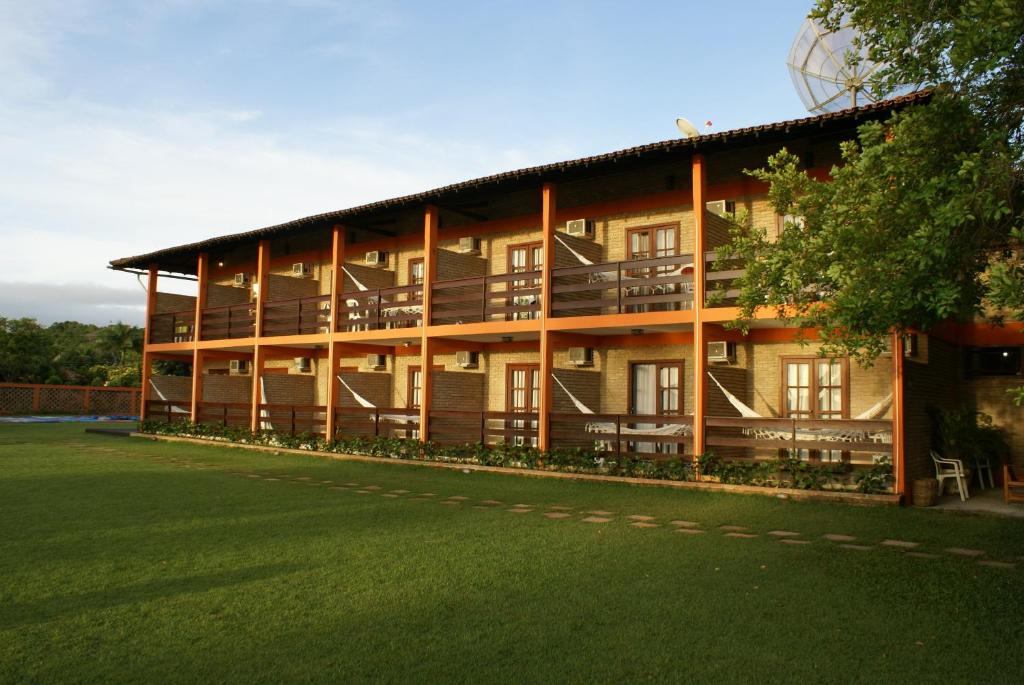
{"x": 520, "y": 510}
{"x": 596, "y": 519}
{"x": 450, "y": 502}
{"x": 400, "y": 492}
{"x": 740, "y": 535}
{"x": 859, "y": 548}
{"x": 304, "y": 478}
{"x": 364, "y": 492}
{"x": 735, "y": 529}
{"x": 791, "y": 541}
{"x": 997, "y": 564}
{"x": 644, "y": 524}
{"x": 964, "y": 552}
{"x": 639, "y": 517}
{"x": 902, "y": 544}
{"x": 457, "y": 498}
{"x": 389, "y": 494}
{"x": 371, "y": 487}
{"x": 427, "y": 494}
{"x": 690, "y": 531}
{"x": 783, "y": 533}
{"x": 272, "y": 479}
{"x": 922, "y": 555}
{"x": 556, "y": 515}
{"x": 253, "y": 475}
{"x": 684, "y": 524}
{"x": 836, "y": 537}
{"x": 599, "y": 512}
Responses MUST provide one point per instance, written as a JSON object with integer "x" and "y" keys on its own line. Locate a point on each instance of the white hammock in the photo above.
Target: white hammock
{"x": 609, "y": 426}
{"x": 265, "y": 423}
{"x": 603, "y": 276}
{"x": 874, "y": 412}
{"x": 367, "y": 404}
{"x": 175, "y": 409}
{"x": 372, "y": 301}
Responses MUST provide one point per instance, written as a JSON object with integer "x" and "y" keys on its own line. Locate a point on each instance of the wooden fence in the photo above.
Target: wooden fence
{"x": 29, "y": 398}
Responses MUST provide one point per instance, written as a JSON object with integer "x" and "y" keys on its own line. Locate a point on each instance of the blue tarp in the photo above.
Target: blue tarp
{"x": 66, "y": 419}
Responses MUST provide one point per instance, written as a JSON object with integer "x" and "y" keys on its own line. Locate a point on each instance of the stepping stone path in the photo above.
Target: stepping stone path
{"x": 791, "y": 541}
{"x": 740, "y": 535}
{"x": 638, "y": 517}
{"x": 997, "y": 564}
{"x": 644, "y": 524}
{"x": 684, "y": 524}
{"x": 859, "y": 548}
{"x": 963, "y": 552}
{"x": 273, "y": 479}
{"x": 363, "y": 492}
{"x": 351, "y": 485}
{"x": 596, "y": 519}
{"x": 400, "y": 492}
{"x": 735, "y": 529}
{"x": 556, "y": 515}
{"x": 520, "y": 510}
{"x": 836, "y": 537}
{"x": 389, "y": 494}
{"x": 303, "y": 478}
{"x": 690, "y": 531}
{"x": 783, "y": 533}
{"x": 600, "y": 513}
{"x": 902, "y": 544}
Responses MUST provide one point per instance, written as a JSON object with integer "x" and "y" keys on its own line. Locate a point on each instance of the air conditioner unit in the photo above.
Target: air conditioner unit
{"x": 377, "y": 258}
{"x": 377, "y": 362}
{"x": 242, "y": 280}
{"x": 469, "y": 245}
{"x": 239, "y": 366}
{"x": 721, "y": 351}
{"x": 302, "y": 270}
{"x": 581, "y": 228}
{"x": 303, "y": 364}
{"x": 467, "y": 359}
{"x": 910, "y": 349}
{"x": 581, "y": 356}
{"x": 723, "y": 208}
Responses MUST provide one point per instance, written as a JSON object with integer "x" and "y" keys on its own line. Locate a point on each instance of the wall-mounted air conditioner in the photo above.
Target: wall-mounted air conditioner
{"x": 239, "y": 366}
{"x": 581, "y": 228}
{"x": 302, "y": 270}
{"x": 721, "y": 351}
{"x": 581, "y": 356}
{"x": 469, "y": 245}
{"x": 242, "y": 280}
{"x": 377, "y": 258}
{"x": 377, "y": 362}
{"x": 303, "y": 364}
{"x": 467, "y": 359}
{"x": 723, "y": 208}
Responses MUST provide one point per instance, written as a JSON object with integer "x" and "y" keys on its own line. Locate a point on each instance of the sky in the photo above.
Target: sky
{"x": 128, "y": 127}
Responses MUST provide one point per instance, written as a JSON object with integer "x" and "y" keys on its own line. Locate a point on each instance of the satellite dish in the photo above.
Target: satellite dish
{"x": 830, "y": 72}
{"x": 686, "y": 128}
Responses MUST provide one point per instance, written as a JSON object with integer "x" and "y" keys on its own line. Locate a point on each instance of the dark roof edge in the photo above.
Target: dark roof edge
{"x": 141, "y": 261}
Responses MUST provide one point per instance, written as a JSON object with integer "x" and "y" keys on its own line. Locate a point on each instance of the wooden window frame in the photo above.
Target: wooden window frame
{"x": 815, "y": 455}
{"x": 534, "y": 282}
{"x": 413, "y": 261}
{"x": 410, "y": 371}
{"x": 658, "y": 364}
{"x": 674, "y": 225}
{"x": 529, "y": 247}
{"x": 509, "y": 369}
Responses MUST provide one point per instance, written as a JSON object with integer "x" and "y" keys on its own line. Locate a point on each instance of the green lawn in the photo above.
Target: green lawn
{"x": 118, "y": 565}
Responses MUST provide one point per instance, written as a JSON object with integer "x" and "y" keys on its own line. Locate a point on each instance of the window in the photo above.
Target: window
{"x": 815, "y": 388}
{"x": 522, "y": 384}
{"x": 413, "y": 397}
{"x": 655, "y": 388}
{"x": 651, "y": 242}
{"x": 416, "y": 273}
{"x": 993, "y": 361}
{"x": 524, "y": 258}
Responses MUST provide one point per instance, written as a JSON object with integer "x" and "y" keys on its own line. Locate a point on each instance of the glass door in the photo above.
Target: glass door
{"x": 815, "y": 389}
{"x": 650, "y": 243}
{"x": 522, "y": 397}
{"x": 655, "y": 389}
{"x": 523, "y": 259}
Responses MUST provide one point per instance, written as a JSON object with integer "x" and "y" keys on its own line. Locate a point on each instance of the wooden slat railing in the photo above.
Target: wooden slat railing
{"x": 376, "y": 421}
{"x": 847, "y": 435}
{"x": 229, "y": 322}
{"x": 380, "y": 309}
{"x": 294, "y": 419}
{"x": 170, "y": 411}
{"x": 485, "y": 427}
{"x": 604, "y": 433}
{"x": 659, "y": 284}
{"x": 172, "y": 327}
{"x": 234, "y": 414}
{"x": 721, "y": 284}
{"x": 505, "y": 297}
{"x": 297, "y": 316}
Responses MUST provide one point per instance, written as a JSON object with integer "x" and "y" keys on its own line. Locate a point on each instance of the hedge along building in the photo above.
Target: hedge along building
{"x": 564, "y": 305}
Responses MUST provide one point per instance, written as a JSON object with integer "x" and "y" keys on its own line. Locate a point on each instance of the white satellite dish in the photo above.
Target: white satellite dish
{"x": 686, "y": 128}
{"x": 830, "y": 72}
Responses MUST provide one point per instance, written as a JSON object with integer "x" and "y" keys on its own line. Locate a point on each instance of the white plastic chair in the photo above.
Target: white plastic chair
{"x": 950, "y": 468}
{"x": 984, "y": 465}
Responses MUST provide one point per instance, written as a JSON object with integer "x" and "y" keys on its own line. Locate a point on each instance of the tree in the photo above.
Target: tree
{"x": 924, "y": 220}
{"x": 25, "y": 352}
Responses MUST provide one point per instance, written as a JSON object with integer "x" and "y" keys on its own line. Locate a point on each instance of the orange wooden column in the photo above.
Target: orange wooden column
{"x": 147, "y": 359}
{"x": 548, "y": 208}
{"x": 899, "y": 463}
{"x": 700, "y": 345}
{"x": 333, "y": 356}
{"x": 430, "y": 219}
{"x": 262, "y": 269}
{"x": 202, "y": 274}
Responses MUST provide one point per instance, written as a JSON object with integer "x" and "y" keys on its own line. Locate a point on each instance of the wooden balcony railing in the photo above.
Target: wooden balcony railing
{"x": 844, "y": 435}
{"x": 298, "y": 316}
{"x": 660, "y": 284}
{"x": 506, "y": 297}
{"x": 234, "y": 414}
{"x": 170, "y": 411}
{"x": 485, "y": 427}
{"x": 230, "y": 321}
{"x": 294, "y": 418}
{"x": 721, "y": 284}
{"x": 380, "y": 309}
{"x": 637, "y": 435}
{"x": 376, "y": 421}
{"x": 172, "y": 327}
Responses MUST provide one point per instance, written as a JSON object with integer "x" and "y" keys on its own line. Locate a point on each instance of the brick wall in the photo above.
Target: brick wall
{"x": 988, "y": 394}
{"x": 289, "y": 287}
{"x": 223, "y": 295}
{"x": 290, "y": 388}
{"x": 615, "y": 380}
{"x": 371, "y": 277}
{"x": 932, "y": 385}
{"x": 227, "y": 389}
{"x": 173, "y": 388}
{"x": 457, "y": 391}
{"x": 167, "y": 303}
{"x": 374, "y": 386}
{"x": 611, "y": 230}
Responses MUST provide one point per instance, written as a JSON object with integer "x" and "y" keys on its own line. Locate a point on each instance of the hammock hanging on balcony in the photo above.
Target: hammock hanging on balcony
{"x": 265, "y": 423}
{"x": 609, "y": 426}
{"x": 367, "y": 404}
{"x": 175, "y": 409}
{"x": 602, "y": 276}
{"x": 408, "y": 309}
{"x": 876, "y": 411}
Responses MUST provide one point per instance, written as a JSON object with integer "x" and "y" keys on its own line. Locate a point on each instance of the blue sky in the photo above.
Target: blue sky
{"x": 127, "y": 127}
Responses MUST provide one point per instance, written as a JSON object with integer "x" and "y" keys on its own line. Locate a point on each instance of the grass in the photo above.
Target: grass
{"x": 117, "y": 565}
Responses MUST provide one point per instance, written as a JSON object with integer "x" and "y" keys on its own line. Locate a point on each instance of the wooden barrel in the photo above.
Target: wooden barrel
{"x": 924, "y": 492}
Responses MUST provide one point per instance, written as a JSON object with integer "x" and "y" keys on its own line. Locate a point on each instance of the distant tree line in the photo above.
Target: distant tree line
{"x": 70, "y": 353}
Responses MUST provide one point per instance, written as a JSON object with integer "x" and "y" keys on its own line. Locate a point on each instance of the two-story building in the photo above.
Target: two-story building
{"x": 560, "y": 305}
